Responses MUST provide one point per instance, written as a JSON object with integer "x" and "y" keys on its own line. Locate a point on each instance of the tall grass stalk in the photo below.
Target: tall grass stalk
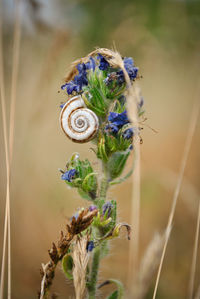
{"x": 148, "y": 265}
{"x": 15, "y": 67}
{"x": 9, "y": 152}
{"x": 194, "y": 258}
{"x": 191, "y": 130}
{"x": 133, "y": 99}
{"x": 7, "y": 206}
{"x": 133, "y": 93}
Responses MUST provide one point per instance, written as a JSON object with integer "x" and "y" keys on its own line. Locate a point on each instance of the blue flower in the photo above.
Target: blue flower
{"x": 91, "y": 64}
{"x": 69, "y": 175}
{"x": 112, "y": 128}
{"x": 103, "y": 64}
{"x": 90, "y": 246}
{"x": 130, "y": 68}
{"x": 118, "y": 119}
{"x": 79, "y": 81}
{"x": 70, "y": 87}
{"x": 107, "y": 208}
{"x": 128, "y": 134}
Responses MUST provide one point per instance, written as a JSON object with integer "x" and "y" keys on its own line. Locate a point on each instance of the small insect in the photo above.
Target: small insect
{"x": 79, "y": 123}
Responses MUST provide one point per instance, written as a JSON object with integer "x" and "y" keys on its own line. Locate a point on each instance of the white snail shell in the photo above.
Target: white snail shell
{"x": 79, "y": 123}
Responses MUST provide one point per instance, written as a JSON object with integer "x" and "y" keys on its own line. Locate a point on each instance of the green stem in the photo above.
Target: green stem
{"x": 103, "y": 188}
{"x": 96, "y": 255}
{"x": 94, "y": 273}
{"x": 104, "y": 184}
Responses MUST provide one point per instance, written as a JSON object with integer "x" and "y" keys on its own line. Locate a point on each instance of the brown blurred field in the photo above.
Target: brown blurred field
{"x": 163, "y": 38}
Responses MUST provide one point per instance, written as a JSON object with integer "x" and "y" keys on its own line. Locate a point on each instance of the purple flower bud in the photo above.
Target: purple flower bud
{"x": 112, "y": 128}
{"x": 69, "y": 175}
{"x": 90, "y": 246}
{"x": 141, "y": 103}
{"x": 107, "y": 208}
{"x": 130, "y": 147}
{"x": 92, "y": 208}
{"x": 128, "y": 134}
{"x": 62, "y": 105}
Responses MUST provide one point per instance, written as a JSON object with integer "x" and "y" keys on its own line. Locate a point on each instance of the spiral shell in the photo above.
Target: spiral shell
{"x": 79, "y": 123}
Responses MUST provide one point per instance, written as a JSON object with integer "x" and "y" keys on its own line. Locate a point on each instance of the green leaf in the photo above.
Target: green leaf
{"x": 114, "y": 295}
{"x": 67, "y": 266}
{"x": 123, "y": 179}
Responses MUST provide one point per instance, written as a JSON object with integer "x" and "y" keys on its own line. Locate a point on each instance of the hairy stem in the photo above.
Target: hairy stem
{"x": 94, "y": 273}
{"x": 96, "y": 255}
{"x": 104, "y": 184}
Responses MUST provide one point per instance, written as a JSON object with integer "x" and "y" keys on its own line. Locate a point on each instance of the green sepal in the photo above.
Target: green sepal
{"x": 118, "y": 294}
{"x": 97, "y": 110}
{"x": 76, "y": 182}
{"x": 67, "y": 266}
{"x": 102, "y": 149}
{"x": 90, "y": 182}
{"x": 116, "y": 163}
{"x": 114, "y": 295}
{"x": 99, "y": 202}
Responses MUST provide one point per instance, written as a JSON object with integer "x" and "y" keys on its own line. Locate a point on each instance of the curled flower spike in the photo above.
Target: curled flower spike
{"x": 98, "y": 89}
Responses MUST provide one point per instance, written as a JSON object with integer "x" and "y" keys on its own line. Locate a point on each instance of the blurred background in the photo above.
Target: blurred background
{"x": 163, "y": 37}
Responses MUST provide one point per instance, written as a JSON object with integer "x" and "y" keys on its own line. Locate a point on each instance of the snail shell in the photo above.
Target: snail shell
{"x": 79, "y": 123}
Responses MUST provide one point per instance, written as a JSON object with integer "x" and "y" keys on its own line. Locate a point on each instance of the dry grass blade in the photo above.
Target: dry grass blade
{"x": 15, "y": 63}
{"x": 7, "y": 208}
{"x": 132, "y": 100}
{"x": 149, "y": 265}
{"x": 80, "y": 260}
{"x": 192, "y": 126}
{"x": 7, "y": 228}
{"x": 197, "y": 296}
{"x": 194, "y": 258}
{"x": 15, "y": 67}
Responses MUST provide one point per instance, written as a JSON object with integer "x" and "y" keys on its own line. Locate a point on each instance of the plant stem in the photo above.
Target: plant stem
{"x": 94, "y": 273}
{"x": 104, "y": 183}
{"x": 96, "y": 255}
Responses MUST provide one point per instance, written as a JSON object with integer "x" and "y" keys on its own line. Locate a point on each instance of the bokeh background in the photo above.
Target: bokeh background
{"x": 163, "y": 37}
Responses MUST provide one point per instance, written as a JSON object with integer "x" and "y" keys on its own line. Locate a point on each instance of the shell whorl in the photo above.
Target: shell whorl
{"x": 79, "y": 123}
